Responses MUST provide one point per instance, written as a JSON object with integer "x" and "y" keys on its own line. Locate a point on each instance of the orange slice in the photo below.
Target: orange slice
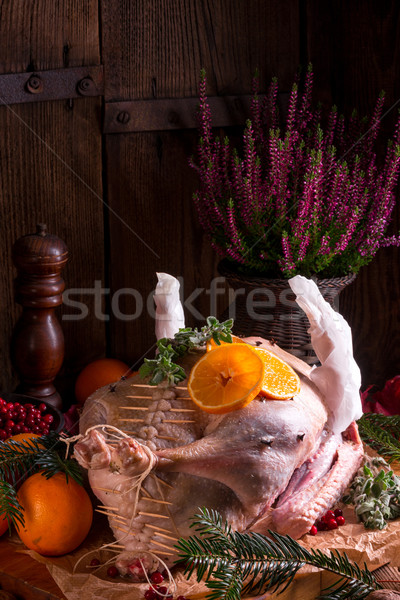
{"x": 211, "y": 345}
{"x": 280, "y": 381}
{"x": 226, "y": 378}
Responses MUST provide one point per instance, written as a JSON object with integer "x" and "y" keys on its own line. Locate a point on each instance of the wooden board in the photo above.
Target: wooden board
{"x": 354, "y": 48}
{"x": 156, "y": 48}
{"x": 23, "y": 576}
{"x": 152, "y": 50}
{"x": 50, "y": 167}
{"x": 40, "y": 165}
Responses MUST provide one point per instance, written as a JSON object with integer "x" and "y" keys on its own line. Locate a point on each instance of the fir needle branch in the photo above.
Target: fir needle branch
{"x": 9, "y": 505}
{"x": 17, "y": 459}
{"x": 51, "y": 463}
{"x": 382, "y": 433}
{"x": 236, "y": 563}
{"x": 26, "y": 457}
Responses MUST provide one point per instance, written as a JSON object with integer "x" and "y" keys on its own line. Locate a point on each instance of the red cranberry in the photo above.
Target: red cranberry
{"x": 313, "y": 530}
{"x": 163, "y": 590}
{"x": 150, "y": 594}
{"x": 94, "y": 562}
{"x": 340, "y": 520}
{"x": 9, "y": 424}
{"x": 332, "y": 524}
{"x": 42, "y": 407}
{"x": 9, "y": 406}
{"x": 321, "y": 525}
{"x": 48, "y": 419}
{"x": 112, "y": 571}
{"x": 338, "y": 512}
{"x": 156, "y": 577}
{"x": 3, "y": 435}
{"x": 328, "y": 516}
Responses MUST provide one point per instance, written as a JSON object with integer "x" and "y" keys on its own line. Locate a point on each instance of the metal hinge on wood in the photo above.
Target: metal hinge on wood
{"x": 57, "y": 84}
{"x": 173, "y": 113}
{"x": 178, "y": 113}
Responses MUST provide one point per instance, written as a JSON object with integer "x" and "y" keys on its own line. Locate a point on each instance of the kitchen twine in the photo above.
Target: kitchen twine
{"x": 137, "y": 484}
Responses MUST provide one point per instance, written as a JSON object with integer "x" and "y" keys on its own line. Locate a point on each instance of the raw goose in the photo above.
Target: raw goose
{"x": 272, "y": 464}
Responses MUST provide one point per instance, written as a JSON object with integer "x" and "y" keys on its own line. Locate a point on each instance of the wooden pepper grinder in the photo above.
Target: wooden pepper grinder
{"x": 37, "y": 345}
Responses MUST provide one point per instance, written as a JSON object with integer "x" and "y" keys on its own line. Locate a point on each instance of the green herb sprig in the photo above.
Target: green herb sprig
{"x": 163, "y": 367}
{"x": 23, "y": 458}
{"x": 234, "y": 564}
{"x": 375, "y": 493}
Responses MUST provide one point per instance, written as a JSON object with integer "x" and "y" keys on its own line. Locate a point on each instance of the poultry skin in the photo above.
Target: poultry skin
{"x": 270, "y": 465}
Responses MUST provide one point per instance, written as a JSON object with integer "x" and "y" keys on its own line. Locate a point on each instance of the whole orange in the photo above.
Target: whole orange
{"x": 57, "y": 514}
{"x": 98, "y": 373}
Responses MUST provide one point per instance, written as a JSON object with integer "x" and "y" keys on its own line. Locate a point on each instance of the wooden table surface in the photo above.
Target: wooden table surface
{"x": 23, "y": 578}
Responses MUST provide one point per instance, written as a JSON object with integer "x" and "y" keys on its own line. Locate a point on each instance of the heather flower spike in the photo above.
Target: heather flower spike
{"x": 305, "y": 195}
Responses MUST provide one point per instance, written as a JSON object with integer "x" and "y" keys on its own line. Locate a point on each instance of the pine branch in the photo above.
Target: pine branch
{"x": 9, "y": 505}
{"x": 234, "y": 563}
{"x": 382, "y": 433}
{"x": 21, "y": 459}
{"x": 17, "y": 459}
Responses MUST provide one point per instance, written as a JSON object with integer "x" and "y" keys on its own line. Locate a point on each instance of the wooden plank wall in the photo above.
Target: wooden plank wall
{"x": 154, "y": 49}
{"x": 355, "y": 49}
{"x": 50, "y": 165}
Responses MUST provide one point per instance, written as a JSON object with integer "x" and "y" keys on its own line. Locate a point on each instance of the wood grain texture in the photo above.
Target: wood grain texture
{"x": 354, "y": 47}
{"x": 156, "y": 49}
{"x": 50, "y": 160}
{"x": 50, "y": 166}
{"x": 155, "y": 231}
{"x": 22, "y": 575}
{"x": 43, "y": 34}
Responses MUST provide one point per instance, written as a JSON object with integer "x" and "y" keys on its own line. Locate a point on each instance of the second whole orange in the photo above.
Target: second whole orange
{"x": 57, "y": 514}
{"x": 97, "y": 374}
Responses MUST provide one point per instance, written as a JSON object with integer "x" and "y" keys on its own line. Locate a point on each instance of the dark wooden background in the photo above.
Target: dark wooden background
{"x": 122, "y": 201}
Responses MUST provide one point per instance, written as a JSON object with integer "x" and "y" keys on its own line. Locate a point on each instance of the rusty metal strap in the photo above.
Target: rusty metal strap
{"x": 172, "y": 113}
{"x": 57, "y": 84}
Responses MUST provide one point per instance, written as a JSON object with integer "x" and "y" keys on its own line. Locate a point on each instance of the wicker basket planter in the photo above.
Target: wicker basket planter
{"x": 267, "y": 307}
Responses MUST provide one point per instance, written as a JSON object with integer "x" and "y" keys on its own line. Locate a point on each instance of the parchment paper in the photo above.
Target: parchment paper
{"x": 375, "y": 548}
{"x": 338, "y": 377}
{"x": 169, "y": 310}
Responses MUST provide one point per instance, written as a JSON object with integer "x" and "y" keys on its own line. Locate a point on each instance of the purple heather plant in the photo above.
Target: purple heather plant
{"x": 302, "y": 197}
